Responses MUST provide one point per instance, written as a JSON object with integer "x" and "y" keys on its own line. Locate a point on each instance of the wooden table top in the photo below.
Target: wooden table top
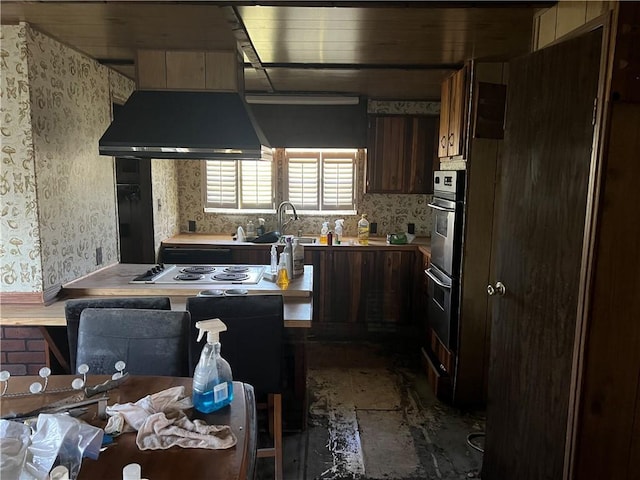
{"x": 235, "y": 463}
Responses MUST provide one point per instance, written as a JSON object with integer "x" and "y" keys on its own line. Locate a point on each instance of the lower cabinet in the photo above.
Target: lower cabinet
{"x": 362, "y": 290}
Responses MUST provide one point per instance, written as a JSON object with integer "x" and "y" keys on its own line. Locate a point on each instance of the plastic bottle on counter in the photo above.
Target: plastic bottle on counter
{"x": 288, "y": 249}
{"x": 330, "y": 238}
{"x": 363, "y": 230}
{"x": 339, "y": 230}
{"x": 274, "y": 260}
{"x": 283, "y": 277}
{"x": 298, "y": 258}
{"x": 212, "y": 381}
{"x": 323, "y": 233}
{"x": 251, "y": 230}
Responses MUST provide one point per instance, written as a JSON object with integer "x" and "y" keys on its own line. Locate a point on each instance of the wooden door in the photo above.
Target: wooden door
{"x": 445, "y": 99}
{"x": 544, "y": 178}
{"x": 456, "y": 113}
{"x": 421, "y": 154}
{"x": 386, "y": 154}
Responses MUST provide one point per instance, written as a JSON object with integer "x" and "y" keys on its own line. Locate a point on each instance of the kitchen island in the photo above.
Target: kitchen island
{"x": 114, "y": 281}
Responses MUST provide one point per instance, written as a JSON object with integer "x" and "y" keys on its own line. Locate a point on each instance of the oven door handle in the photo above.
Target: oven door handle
{"x": 438, "y": 207}
{"x": 436, "y": 280}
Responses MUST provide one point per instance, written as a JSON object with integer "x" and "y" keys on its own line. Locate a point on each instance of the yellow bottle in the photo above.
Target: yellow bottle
{"x": 363, "y": 230}
{"x": 323, "y": 233}
{"x": 283, "y": 277}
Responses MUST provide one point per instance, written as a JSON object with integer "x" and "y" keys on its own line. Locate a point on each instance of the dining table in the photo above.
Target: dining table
{"x": 234, "y": 463}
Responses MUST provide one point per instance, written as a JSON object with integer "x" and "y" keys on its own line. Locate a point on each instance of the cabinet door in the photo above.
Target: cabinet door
{"x": 386, "y": 154}
{"x": 456, "y": 113}
{"x": 445, "y": 99}
{"x": 421, "y": 155}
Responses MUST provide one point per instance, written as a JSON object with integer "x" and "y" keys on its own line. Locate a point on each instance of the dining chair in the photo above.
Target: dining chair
{"x": 150, "y": 342}
{"x": 253, "y": 346}
{"x": 74, "y": 307}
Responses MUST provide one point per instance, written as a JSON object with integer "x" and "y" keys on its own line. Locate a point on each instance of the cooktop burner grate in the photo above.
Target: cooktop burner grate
{"x": 188, "y": 276}
{"x": 230, "y": 277}
{"x": 198, "y": 269}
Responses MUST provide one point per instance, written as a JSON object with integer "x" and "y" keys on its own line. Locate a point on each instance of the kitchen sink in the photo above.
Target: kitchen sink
{"x": 306, "y": 239}
{"x": 301, "y": 240}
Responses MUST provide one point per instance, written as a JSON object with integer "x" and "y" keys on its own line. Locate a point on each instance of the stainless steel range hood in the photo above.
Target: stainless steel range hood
{"x": 185, "y": 125}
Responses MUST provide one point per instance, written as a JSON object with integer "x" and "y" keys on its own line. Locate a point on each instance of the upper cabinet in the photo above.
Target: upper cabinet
{"x": 452, "y": 114}
{"x": 185, "y": 70}
{"x": 401, "y": 153}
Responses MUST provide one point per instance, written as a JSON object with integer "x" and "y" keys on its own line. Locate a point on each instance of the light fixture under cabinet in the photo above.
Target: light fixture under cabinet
{"x": 302, "y": 100}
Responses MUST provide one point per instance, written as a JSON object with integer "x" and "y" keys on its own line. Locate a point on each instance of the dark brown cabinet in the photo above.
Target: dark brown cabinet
{"x": 356, "y": 290}
{"x": 453, "y": 102}
{"x": 401, "y": 153}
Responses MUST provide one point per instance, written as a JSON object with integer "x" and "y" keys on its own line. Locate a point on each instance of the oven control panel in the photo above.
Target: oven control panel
{"x": 449, "y": 184}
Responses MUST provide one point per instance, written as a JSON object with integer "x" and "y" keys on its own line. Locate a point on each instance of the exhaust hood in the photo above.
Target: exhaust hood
{"x": 185, "y": 125}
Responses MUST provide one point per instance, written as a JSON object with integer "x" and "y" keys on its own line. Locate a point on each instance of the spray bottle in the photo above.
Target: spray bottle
{"x": 212, "y": 381}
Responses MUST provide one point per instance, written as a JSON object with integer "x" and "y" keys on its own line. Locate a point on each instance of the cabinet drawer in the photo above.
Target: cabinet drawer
{"x": 441, "y": 353}
{"x": 436, "y": 376}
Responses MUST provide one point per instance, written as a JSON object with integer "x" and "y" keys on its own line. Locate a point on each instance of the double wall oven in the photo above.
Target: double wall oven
{"x": 443, "y": 273}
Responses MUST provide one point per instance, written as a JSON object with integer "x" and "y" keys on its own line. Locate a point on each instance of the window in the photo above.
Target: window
{"x": 321, "y": 180}
{"x": 238, "y": 184}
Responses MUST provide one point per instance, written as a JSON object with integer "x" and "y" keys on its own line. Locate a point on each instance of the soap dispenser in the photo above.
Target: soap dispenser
{"x": 212, "y": 381}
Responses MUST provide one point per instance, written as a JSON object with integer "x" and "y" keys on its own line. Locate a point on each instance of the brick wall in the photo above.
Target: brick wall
{"x": 23, "y": 350}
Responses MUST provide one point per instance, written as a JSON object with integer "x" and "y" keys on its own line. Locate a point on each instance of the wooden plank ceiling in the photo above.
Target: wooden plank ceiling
{"x": 375, "y": 49}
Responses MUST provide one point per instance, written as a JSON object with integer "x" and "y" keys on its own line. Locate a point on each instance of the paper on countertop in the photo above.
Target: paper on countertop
{"x": 161, "y": 423}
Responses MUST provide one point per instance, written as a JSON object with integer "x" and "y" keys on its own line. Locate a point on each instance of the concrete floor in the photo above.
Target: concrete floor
{"x": 372, "y": 415}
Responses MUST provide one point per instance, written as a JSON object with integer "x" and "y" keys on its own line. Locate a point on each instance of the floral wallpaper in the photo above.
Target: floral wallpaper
{"x": 63, "y": 108}
{"x": 20, "y": 260}
{"x": 164, "y": 184}
{"x": 400, "y": 107}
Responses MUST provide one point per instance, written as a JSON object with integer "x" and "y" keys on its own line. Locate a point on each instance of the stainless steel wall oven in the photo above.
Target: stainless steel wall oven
{"x": 443, "y": 274}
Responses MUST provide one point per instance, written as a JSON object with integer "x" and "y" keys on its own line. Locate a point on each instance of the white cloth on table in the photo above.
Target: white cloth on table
{"x": 161, "y": 423}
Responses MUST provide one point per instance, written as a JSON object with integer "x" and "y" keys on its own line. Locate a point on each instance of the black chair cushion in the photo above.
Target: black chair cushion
{"x": 253, "y": 342}
{"x": 151, "y": 342}
{"x": 73, "y": 308}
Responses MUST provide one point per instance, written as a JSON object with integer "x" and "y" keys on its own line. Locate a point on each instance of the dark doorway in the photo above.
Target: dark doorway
{"x": 135, "y": 208}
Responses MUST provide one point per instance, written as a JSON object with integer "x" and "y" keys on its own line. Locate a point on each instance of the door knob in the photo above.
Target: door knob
{"x": 499, "y": 289}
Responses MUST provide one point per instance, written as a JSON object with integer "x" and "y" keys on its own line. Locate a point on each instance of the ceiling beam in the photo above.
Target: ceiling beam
{"x": 246, "y": 47}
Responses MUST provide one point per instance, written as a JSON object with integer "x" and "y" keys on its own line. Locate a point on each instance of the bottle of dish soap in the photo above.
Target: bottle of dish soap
{"x": 323, "y": 233}
{"x": 212, "y": 381}
{"x": 283, "y": 277}
{"x": 339, "y": 231}
{"x": 363, "y": 230}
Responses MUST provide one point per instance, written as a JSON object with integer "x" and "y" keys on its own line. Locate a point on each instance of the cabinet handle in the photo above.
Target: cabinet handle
{"x": 451, "y": 139}
{"x": 443, "y": 141}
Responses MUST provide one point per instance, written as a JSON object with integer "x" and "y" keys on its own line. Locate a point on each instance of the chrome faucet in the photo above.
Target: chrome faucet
{"x": 280, "y": 216}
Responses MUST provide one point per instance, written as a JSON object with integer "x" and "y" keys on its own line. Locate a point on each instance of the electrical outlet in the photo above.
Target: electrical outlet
{"x": 99, "y": 256}
{"x": 192, "y": 225}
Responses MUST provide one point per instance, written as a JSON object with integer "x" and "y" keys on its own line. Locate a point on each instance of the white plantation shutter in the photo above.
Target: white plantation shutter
{"x": 303, "y": 181}
{"x": 238, "y": 184}
{"x": 337, "y": 185}
{"x": 321, "y": 179}
{"x": 221, "y": 178}
{"x": 256, "y": 184}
